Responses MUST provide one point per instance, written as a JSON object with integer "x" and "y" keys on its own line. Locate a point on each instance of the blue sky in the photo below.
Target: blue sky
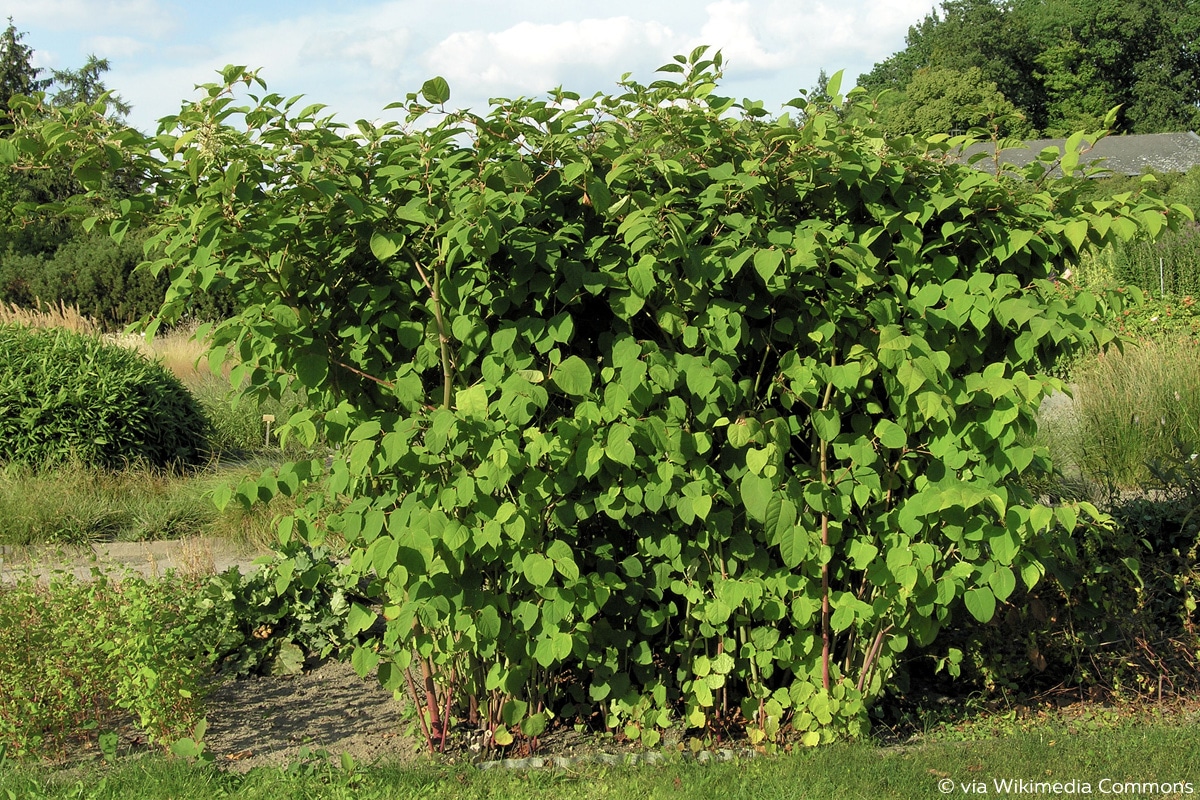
{"x": 356, "y": 57}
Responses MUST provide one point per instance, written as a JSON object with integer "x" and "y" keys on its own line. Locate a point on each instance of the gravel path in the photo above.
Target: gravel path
{"x": 195, "y": 556}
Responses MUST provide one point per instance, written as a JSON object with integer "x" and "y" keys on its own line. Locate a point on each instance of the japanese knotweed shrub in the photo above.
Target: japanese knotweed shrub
{"x": 651, "y": 408}
{"x": 66, "y": 396}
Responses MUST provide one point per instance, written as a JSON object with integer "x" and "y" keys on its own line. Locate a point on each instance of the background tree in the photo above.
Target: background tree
{"x": 1065, "y": 63}
{"x": 968, "y": 34}
{"x": 45, "y": 256}
{"x": 943, "y": 100}
{"x": 17, "y": 73}
{"x": 84, "y": 85}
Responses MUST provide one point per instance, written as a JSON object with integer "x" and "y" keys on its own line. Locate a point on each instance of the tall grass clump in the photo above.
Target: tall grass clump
{"x": 1169, "y": 265}
{"x": 236, "y": 420}
{"x": 75, "y": 504}
{"x": 179, "y": 350}
{"x": 61, "y": 316}
{"x": 1130, "y": 408}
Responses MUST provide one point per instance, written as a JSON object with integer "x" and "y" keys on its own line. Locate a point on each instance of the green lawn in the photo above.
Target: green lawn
{"x": 1119, "y": 761}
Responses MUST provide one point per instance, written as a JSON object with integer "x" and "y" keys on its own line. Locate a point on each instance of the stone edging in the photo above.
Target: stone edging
{"x": 611, "y": 759}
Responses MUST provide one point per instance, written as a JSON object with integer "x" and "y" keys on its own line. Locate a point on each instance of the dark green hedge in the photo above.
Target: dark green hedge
{"x": 99, "y": 276}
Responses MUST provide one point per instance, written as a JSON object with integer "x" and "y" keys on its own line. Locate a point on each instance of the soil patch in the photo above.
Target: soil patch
{"x": 272, "y": 721}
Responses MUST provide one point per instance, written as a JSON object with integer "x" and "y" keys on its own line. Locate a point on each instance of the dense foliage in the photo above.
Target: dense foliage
{"x": 99, "y": 277}
{"x": 92, "y": 273}
{"x": 75, "y": 655}
{"x": 67, "y": 396}
{"x": 1123, "y": 619}
{"x": 45, "y": 257}
{"x": 78, "y": 655}
{"x": 651, "y": 409}
{"x": 1062, "y": 63}
{"x": 270, "y": 621}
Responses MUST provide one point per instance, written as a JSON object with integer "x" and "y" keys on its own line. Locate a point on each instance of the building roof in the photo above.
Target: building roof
{"x": 1132, "y": 154}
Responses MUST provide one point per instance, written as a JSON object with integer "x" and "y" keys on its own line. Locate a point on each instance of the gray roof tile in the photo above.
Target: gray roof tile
{"x": 1122, "y": 155}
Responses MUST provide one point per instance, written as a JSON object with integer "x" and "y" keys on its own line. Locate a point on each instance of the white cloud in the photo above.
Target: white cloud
{"x": 151, "y": 17}
{"x": 776, "y": 47}
{"x": 44, "y": 60}
{"x": 116, "y": 47}
{"x": 874, "y": 31}
{"x": 379, "y": 49}
{"x": 533, "y": 57}
{"x": 358, "y": 56}
{"x": 736, "y": 30}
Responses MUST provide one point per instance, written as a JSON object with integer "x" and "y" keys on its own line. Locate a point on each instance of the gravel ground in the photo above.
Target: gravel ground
{"x": 268, "y": 721}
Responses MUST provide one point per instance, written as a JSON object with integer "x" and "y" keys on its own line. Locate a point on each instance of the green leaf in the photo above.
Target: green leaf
{"x": 757, "y": 459}
{"x": 364, "y": 660}
{"x": 538, "y": 569}
{"x": 472, "y": 402}
{"x": 535, "y": 724}
{"x": 1076, "y": 233}
{"x": 1031, "y": 573}
{"x": 288, "y": 661}
{"x": 739, "y": 433}
{"x": 619, "y": 448}
{"x": 766, "y": 263}
{"x": 756, "y": 493}
{"x": 834, "y": 85}
{"x": 385, "y": 245}
{"x": 222, "y": 495}
{"x": 312, "y": 369}
{"x": 890, "y": 434}
{"x": 842, "y": 618}
{"x": 366, "y": 430}
{"x": 573, "y": 377}
{"x": 382, "y": 555}
{"x": 1002, "y": 582}
{"x": 359, "y": 619}
{"x": 435, "y": 91}
{"x": 793, "y": 545}
{"x": 487, "y": 622}
{"x": 360, "y": 456}
{"x": 827, "y": 424}
{"x": 981, "y": 603}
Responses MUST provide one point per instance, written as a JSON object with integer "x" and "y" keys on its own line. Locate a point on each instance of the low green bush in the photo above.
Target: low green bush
{"x": 1173, "y": 318}
{"x": 65, "y": 396}
{"x": 1117, "y": 616}
{"x": 295, "y": 604}
{"x": 76, "y": 655}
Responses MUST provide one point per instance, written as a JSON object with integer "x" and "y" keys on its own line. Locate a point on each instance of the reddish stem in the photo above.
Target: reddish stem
{"x": 826, "y": 638}
{"x": 412, "y": 693}
{"x": 431, "y": 704}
